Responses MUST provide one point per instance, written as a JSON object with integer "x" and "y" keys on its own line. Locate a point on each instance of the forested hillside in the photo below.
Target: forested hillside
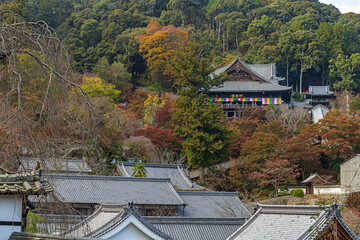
{"x": 299, "y": 36}
{"x": 128, "y": 79}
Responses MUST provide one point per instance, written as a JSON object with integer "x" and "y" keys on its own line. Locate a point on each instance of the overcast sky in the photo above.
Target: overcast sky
{"x": 345, "y": 5}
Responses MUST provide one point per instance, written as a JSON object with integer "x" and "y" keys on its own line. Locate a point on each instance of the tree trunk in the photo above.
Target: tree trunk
{"x": 219, "y": 32}
{"x": 201, "y": 174}
{"x": 237, "y": 42}
{"x": 287, "y": 71}
{"x": 301, "y": 76}
{"x": 182, "y": 19}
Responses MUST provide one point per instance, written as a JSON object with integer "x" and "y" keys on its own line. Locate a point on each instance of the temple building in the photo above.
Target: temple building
{"x": 249, "y": 86}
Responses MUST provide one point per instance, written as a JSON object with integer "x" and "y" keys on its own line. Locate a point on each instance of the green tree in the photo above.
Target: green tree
{"x": 204, "y": 129}
{"x": 139, "y": 171}
{"x": 344, "y": 67}
{"x": 201, "y": 124}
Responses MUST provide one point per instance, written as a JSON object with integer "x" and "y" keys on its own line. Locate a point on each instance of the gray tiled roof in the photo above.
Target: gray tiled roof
{"x": 194, "y": 228}
{"x": 156, "y": 170}
{"x": 24, "y": 183}
{"x": 319, "y": 112}
{"x": 108, "y": 217}
{"x": 213, "y": 205}
{"x": 248, "y": 86}
{"x": 280, "y": 222}
{"x": 55, "y": 165}
{"x": 319, "y": 91}
{"x": 35, "y": 236}
{"x": 266, "y": 70}
{"x": 114, "y": 190}
{"x": 312, "y": 177}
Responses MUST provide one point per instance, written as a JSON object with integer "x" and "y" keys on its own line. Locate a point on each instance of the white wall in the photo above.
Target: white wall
{"x": 131, "y": 232}
{"x": 328, "y": 189}
{"x": 10, "y": 210}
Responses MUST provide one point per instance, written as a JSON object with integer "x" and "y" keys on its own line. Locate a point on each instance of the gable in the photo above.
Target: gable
{"x": 239, "y": 72}
{"x": 130, "y": 229}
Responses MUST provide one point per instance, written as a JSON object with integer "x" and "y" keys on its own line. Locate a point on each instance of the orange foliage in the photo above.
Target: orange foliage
{"x": 159, "y": 43}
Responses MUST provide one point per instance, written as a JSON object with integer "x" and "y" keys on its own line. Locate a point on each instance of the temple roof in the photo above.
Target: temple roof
{"x": 108, "y": 217}
{"x": 35, "y": 236}
{"x": 314, "y": 177}
{"x": 248, "y": 86}
{"x": 55, "y": 165}
{"x": 174, "y": 172}
{"x": 26, "y": 183}
{"x": 289, "y": 222}
{"x": 213, "y": 205}
{"x": 319, "y": 91}
{"x": 180, "y": 228}
{"x": 114, "y": 190}
{"x": 256, "y": 83}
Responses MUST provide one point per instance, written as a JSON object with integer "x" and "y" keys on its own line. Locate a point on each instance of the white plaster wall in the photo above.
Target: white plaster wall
{"x": 6, "y": 231}
{"x": 10, "y": 210}
{"x": 328, "y": 190}
{"x": 131, "y": 232}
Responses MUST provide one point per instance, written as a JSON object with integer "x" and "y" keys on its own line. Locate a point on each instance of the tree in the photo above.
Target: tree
{"x": 96, "y": 87}
{"x": 159, "y": 44}
{"x": 200, "y": 123}
{"x": 139, "y": 171}
{"x": 340, "y": 136}
{"x": 345, "y": 68}
{"x": 203, "y": 128}
{"x": 276, "y": 173}
{"x": 192, "y": 71}
{"x": 304, "y": 150}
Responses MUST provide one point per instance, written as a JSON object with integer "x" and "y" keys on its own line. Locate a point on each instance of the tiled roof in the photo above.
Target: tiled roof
{"x": 319, "y": 91}
{"x": 34, "y": 236}
{"x": 248, "y": 86}
{"x": 278, "y": 222}
{"x": 318, "y": 112}
{"x": 55, "y": 165}
{"x": 312, "y": 177}
{"x": 108, "y": 217}
{"x": 27, "y": 183}
{"x": 268, "y": 71}
{"x": 213, "y": 205}
{"x": 175, "y": 172}
{"x": 288, "y": 222}
{"x": 114, "y": 190}
{"x": 196, "y": 229}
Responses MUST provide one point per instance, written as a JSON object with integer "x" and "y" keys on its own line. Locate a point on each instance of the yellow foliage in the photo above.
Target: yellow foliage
{"x": 151, "y": 106}
{"x": 97, "y": 87}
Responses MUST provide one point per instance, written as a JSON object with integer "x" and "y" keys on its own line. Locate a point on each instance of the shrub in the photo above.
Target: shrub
{"x": 297, "y": 192}
{"x": 353, "y": 200}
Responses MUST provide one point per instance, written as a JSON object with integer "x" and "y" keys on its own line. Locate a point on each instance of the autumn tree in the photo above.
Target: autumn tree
{"x": 276, "y": 173}
{"x": 159, "y": 44}
{"x": 340, "y": 136}
{"x": 97, "y": 87}
{"x": 304, "y": 150}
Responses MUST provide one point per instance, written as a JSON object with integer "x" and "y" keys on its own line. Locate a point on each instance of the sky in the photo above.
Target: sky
{"x": 345, "y": 5}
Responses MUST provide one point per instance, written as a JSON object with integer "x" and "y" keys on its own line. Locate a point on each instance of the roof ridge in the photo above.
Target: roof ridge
{"x": 182, "y": 173}
{"x": 115, "y": 178}
{"x": 207, "y": 193}
{"x": 161, "y": 165}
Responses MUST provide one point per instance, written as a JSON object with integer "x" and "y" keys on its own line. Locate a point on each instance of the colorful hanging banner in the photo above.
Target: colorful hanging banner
{"x": 264, "y": 101}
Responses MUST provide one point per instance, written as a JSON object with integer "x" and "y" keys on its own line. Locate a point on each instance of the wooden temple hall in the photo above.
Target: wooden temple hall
{"x": 249, "y": 86}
